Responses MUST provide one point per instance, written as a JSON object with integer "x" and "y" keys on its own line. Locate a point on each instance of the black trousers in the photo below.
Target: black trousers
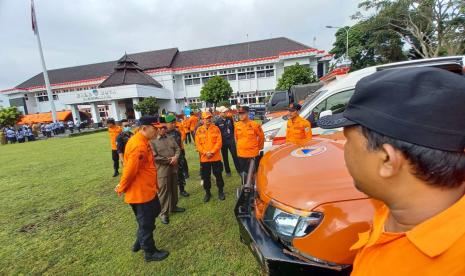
{"x": 145, "y": 216}
{"x": 244, "y": 164}
{"x": 206, "y": 168}
{"x": 188, "y": 138}
{"x": 181, "y": 171}
{"x": 231, "y": 146}
{"x": 115, "y": 157}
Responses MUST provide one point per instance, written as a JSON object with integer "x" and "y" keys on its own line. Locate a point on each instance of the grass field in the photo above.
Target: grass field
{"x": 60, "y": 215}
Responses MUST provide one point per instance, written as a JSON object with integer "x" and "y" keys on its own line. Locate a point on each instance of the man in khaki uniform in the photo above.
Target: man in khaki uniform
{"x": 166, "y": 152}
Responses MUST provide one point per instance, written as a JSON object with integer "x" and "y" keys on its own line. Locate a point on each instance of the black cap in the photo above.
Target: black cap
{"x": 294, "y": 107}
{"x": 422, "y": 106}
{"x": 148, "y": 120}
{"x": 243, "y": 109}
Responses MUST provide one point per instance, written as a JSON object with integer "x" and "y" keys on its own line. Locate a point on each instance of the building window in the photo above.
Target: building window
{"x": 269, "y": 67}
{"x": 242, "y": 76}
{"x": 204, "y": 80}
{"x": 232, "y": 77}
{"x": 270, "y": 73}
{"x": 188, "y": 82}
{"x": 251, "y": 75}
{"x": 42, "y": 98}
{"x": 250, "y": 69}
{"x": 260, "y": 67}
{"x": 196, "y": 81}
{"x": 261, "y": 74}
{"x": 241, "y": 70}
{"x": 55, "y": 97}
{"x": 223, "y": 72}
{"x": 232, "y": 71}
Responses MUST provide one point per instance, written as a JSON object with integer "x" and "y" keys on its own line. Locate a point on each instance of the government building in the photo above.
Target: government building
{"x": 174, "y": 77}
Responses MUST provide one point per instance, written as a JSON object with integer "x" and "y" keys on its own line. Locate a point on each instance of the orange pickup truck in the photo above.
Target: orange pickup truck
{"x": 303, "y": 221}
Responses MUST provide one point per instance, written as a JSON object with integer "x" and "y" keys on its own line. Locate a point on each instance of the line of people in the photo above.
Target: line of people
{"x": 154, "y": 164}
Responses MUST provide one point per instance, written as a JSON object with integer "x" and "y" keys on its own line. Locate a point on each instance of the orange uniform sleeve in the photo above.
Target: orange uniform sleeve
{"x": 308, "y": 130}
{"x": 131, "y": 167}
{"x": 261, "y": 136}
{"x": 199, "y": 145}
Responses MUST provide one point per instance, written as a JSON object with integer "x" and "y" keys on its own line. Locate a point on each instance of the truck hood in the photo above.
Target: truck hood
{"x": 304, "y": 177}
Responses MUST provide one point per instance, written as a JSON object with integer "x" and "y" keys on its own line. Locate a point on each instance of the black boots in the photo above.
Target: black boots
{"x": 221, "y": 195}
{"x": 164, "y": 219}
{"x": 157, "y": 255}
{"x": 207, "y": 197}
{"x": 116, "y": 174}
{"x": 136, "y": 247}
{"x": 183, "y": 192}
{"x": 178, "y": 210}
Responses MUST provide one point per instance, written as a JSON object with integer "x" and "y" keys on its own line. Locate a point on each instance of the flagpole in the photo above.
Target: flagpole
{"x": 44, "y": 68}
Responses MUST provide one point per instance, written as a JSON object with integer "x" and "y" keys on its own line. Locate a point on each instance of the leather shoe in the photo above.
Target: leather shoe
{"x": 158, "y": 255}
{"x": 178, "y": 210}
{"x": 206, "y": 198}
{"x": 184, "y": 193}
{"x": 221, "y": 196}
{"x": 136, "y": 247}
{"x": 164, "y": 219}
{"x": 115, "y": 174}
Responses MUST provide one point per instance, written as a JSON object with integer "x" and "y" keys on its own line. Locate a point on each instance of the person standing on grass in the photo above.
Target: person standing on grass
{"x": 139, "y": 184}
{"x": 166, "y": 152}
{"x": 405, "y": 147}
{"x": 193, "y": 121}
{"x": 172, "y": 131}
{"x": 249, "y": 138}
{"x": 226, "y": 126}
{"x": 114, "y": 131}
{"x": 122, "y": 139}
{"x": 208, "y": 143}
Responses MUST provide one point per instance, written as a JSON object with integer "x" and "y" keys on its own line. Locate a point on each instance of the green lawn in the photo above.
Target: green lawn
{"x": 60, "y": 215}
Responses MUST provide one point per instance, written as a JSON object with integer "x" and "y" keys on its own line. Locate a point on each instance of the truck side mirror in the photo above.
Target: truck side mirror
{"x": 325, "y": 113}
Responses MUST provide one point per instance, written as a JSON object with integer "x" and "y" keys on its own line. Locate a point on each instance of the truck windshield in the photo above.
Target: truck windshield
{"x": 310, "y": 99}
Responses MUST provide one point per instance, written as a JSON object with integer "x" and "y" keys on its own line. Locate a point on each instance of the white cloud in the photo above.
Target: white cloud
{"x": 88, "y": 31}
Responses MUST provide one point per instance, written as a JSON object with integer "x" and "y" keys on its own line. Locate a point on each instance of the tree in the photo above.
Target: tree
{"x": 216, "y": 90}
{"x": 296, "y": 74}
{"x": 430, "y": 27}
{"x": 369, "y": 44}
{"x": 147, "y": 106}
{"x": 9, "y": 116}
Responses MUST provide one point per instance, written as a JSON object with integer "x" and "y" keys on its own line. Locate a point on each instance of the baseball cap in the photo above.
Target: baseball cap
{"x": 243, "y": 109}
{"x": 294, "y": 107}
{"x": 206, "y": 115}
{"x": 422, "y": 106}
{"x": 149, "y": 120}
{"x": 170, "y": 118}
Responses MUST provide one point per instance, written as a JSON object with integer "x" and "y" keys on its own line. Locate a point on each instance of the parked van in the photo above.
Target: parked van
{"x": 300, "y": 213}
{"x": 333, "y": 97}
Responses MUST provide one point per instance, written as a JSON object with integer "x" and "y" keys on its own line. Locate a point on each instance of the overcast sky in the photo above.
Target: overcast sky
{"x": 88, "y": 31}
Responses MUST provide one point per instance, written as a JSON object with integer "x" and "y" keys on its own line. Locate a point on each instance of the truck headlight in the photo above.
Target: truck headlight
{"x": 270, "y": 134}
{"x": 287, "y": 226}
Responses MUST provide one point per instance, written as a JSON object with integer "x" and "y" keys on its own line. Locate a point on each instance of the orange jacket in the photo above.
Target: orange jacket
{"x": 114, "y": 132}
{"x": 436, "y": 246}
{"x": 181, "y": 129}
{"x": 208, "y": 140}
{"x": 249, "y": 138}
{"x": 193, "y": 120}
{"x": 298, "y": 130}
{"x": 139, "y": 180}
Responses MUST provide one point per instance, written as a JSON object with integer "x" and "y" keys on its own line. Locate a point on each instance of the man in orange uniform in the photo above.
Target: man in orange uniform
{"x": 193, "y": 121}
{"x": 298, "y": 129}
{"x": 139, "y": 184}
{"x": 208, "y": 143}
{"x": 249, "y": 138}
{"x": 114, "y": 131}
{"x": 406, "y": 149}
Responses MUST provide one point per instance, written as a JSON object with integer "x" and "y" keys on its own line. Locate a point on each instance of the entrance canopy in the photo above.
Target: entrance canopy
{"x": 115, "y": 93}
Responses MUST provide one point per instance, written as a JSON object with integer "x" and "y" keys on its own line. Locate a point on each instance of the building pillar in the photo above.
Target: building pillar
{"x": 95, "y": 114}
{"x": 75, "y": 114}
{"x": 137, "y": 114}
{"x": 114, "y": 111}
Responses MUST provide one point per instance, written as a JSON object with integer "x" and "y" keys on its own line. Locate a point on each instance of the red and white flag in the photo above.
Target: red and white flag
{"x": 33, "y": 17}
